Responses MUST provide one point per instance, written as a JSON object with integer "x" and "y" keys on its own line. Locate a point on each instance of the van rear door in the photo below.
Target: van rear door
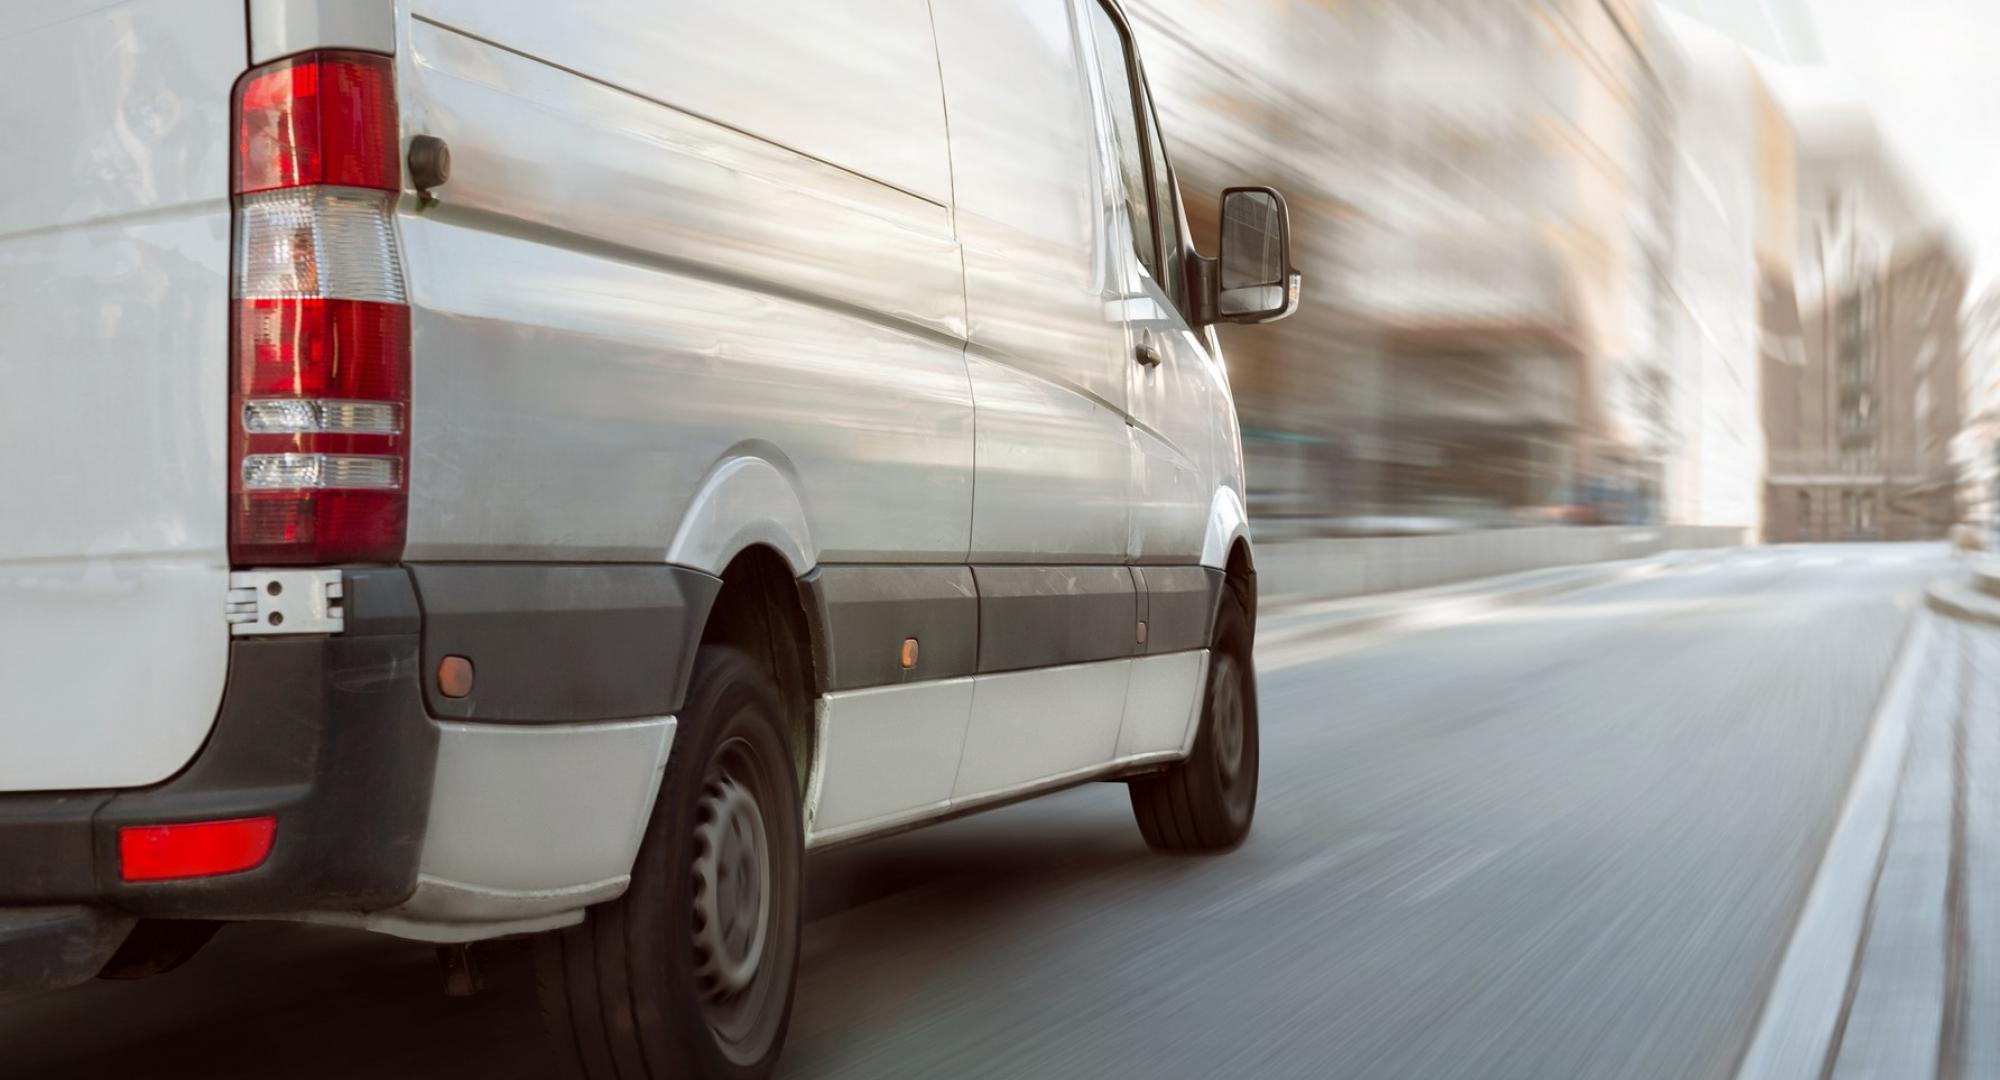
{"x": 114, "y": 316}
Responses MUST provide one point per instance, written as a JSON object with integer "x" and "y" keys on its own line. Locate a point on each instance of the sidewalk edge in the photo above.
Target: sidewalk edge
{"x": 1803, "y": 1010}
{"x": 1418, "y": 604}
{"x": 1958, "y": 600}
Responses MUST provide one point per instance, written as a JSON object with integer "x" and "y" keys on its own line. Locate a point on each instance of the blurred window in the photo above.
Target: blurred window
{"x": 1114, "y": 60}
{"x": 1166, "y": 210}
{"x": 1147, "y": 177}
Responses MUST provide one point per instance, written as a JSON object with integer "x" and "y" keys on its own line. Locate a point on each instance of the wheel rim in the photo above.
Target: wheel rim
{"x": 1226, "y": 710}
{"x": 733, "y": 885}
{"x": 1232, "y": 720}
{"x": 732, "y": 872}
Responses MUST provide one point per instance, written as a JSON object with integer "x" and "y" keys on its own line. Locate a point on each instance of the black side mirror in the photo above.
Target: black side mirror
{"x": 1252, "y": 280}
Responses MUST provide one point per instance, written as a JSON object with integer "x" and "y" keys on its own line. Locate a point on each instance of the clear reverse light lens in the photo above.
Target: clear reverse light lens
{"x": 317, "y": 243}
{"x": 299, "y": 472}
{"x": 282, "y": 416}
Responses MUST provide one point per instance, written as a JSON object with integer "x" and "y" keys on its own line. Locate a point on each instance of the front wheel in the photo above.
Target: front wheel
{"x": 1206, "y": 802}
{"x": 691, "y": 972}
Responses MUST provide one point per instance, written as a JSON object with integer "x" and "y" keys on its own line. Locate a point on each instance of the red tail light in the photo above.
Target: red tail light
{"x": 321, "y": 118}
{"x": 320, "y": 411}
{"x": 197, "y": 849}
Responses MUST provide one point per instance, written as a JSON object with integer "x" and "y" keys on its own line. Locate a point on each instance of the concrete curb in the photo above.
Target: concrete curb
{"x": 1799, "y": 1032}
{"x": 1958, "y": 600}
{"x": 1308, "y": 569}
{"x": 1407, "y": 612}
{"x": 1986, "y": 576}
{"x": 1423, "y": 602}
{"x": 1884, "y": 976}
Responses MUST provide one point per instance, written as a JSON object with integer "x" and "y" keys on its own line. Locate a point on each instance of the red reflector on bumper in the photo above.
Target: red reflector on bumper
{"x": 196, "y": 849}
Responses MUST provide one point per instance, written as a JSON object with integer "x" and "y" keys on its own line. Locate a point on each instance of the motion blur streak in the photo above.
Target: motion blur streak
{"x": 1579, "y": 260}
{"x": 1634, "y": 302}
{"x": 1562, "y": 838}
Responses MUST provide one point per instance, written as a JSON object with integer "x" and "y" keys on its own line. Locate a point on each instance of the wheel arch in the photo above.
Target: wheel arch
{"x": 1227, "y": 547}
{"x": 1228, "y": 528}
{"x": 1240, "y": 578}
{"x": 749, "y": 499}
{"x": 747, "y": 525}
{"x": 763, "y": 609}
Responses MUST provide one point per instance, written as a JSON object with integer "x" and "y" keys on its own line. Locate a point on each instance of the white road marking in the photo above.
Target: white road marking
{"x": 1806, "y": 999}
{"x": 1820, "y": 561}
{"x": 1892, "y": 560}
{"x": 1754, "y": 564}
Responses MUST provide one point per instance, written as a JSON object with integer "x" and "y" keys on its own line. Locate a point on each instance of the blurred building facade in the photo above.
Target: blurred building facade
{"x": 1577, "y": 260}
{"x": 1976, "y": 451}
{"x": 1861, "y": 414}
{"x": 1736, "y": 209}
{"x": 1486, "y": 197}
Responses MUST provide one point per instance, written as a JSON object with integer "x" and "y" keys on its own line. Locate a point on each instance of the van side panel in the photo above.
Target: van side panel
{"x": 114, "y": 317}
{"x": 1033, "y": 727}
{"x": 1048, "y": 345}
{"x": 850, "y": 82}
{"x": 627, "y": 280}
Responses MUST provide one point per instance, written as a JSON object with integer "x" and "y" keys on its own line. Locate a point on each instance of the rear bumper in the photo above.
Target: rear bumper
{"x": 54, "y": 947}
{"x": 328, "y": 735}
{"x": 394, "y": 805}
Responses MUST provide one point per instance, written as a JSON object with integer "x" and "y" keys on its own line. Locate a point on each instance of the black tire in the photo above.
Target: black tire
{"x": 1206, "y": 803}
{"x": 666, "y": 982}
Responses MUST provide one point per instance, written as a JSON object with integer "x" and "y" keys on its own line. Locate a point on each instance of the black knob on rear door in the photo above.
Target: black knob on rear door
{"x": 430, "y": 163}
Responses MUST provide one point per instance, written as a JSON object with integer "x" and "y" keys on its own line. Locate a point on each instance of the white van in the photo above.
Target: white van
{"x": 482, "y": 468}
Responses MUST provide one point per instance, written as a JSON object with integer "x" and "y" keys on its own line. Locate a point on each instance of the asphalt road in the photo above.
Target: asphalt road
{"x": 1566, "y": 839}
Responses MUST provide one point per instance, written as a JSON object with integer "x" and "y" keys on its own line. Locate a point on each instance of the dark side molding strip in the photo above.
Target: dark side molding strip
{"x": 562, "y": 643}
{"x": 1043, "y": 616}
{"x": 865, "y": 613}
{"x": 988, "y": 619}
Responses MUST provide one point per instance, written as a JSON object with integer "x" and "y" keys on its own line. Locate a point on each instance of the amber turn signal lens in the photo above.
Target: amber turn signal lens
{"x": 909, "y": 657}
{"x": 454, "y": 676}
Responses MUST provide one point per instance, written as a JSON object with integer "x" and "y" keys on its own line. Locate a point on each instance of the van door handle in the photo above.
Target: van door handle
{"x": 1149, "y": 355}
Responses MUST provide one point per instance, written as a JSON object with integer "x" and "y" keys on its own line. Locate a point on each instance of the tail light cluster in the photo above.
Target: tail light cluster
{"x": 320, "y": 383}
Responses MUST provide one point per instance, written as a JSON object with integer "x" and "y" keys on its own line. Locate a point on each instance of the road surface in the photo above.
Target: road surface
{"x": 1562, "y": 839}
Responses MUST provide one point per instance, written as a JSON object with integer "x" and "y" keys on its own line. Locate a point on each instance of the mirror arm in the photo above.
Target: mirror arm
{"x": 1204, "y": 288}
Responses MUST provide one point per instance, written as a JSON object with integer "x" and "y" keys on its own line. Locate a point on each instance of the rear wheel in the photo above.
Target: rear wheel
{"x": 691, "y": 972}
{"x": 1206, "y": 802}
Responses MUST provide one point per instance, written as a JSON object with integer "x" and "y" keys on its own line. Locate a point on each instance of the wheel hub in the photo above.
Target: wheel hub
{"x": 1227, "y": 706}
{"x": 732, "y": 887}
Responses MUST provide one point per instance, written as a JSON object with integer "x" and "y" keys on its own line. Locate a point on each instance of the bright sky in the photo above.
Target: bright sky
{"x": 1926, "y": 69}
